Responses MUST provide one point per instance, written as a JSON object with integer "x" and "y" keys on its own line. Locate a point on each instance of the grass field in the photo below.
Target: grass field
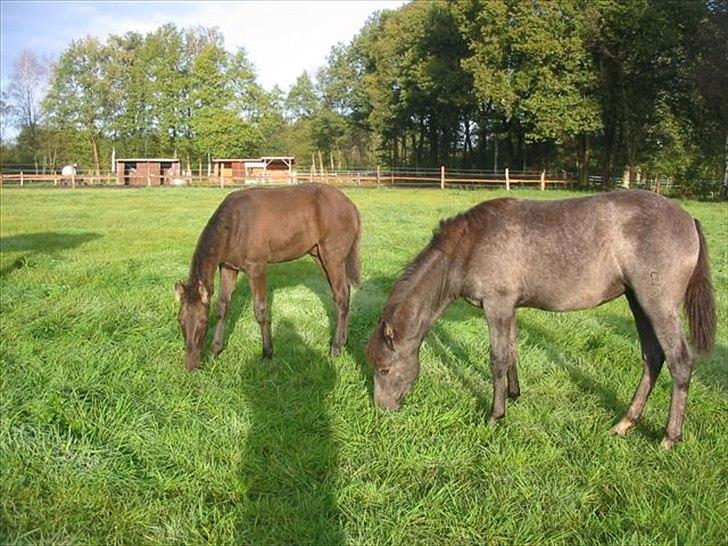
{"x": 105, "y": 438}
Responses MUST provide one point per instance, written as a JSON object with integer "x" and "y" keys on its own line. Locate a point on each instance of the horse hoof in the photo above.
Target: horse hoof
{"x": 621, "y": 428}
{"x": 667, "y": 443}
{"x": 215, "y": 351}
{"x": 493, "y": 421}
{"x": 267, "y": 355}
{"x": 514, "y": 395}
{"x": 335, "y": 351}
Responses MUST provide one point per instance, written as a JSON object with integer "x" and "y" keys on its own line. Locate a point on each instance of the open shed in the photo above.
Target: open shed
{"x": 264, "y": 169}
{"x": 154, "y": 171}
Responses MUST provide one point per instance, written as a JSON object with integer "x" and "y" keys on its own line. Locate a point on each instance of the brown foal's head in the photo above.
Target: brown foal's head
{"x": 194, "y": 305}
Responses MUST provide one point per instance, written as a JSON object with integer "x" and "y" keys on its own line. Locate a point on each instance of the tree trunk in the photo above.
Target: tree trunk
{"x": 95, "y": 146}
{"x": 421, "y": 143}
{"x": 495, "y": 152}
{"x": 725, "y": 173}
{"x": 585, "y": 161}
{"x": 468, "y": 146}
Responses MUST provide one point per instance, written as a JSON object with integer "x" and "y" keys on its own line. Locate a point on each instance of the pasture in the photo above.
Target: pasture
{"x": 106, "y": 438}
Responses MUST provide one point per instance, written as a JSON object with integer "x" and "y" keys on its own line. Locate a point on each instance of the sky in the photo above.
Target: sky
{"x": 282, "y": 38}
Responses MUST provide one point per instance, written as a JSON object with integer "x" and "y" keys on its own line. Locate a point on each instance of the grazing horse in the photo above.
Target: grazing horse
{"x": 254, "y": 227}
{"x": 558, "y": 256}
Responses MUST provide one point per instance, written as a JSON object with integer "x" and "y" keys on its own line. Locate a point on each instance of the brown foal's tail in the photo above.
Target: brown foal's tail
{"x": 353, "y": 265}
{"x": 700, "y": 302}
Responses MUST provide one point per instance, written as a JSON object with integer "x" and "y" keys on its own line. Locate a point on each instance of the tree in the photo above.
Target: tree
{"x": 531, "y": 69}
{"x": 24, "y": 94}
{"x": 79, "y": 93}
{"x": 129, "y": 94}
{"x": 302, "y": 100}
{"x": 218, "y": 99}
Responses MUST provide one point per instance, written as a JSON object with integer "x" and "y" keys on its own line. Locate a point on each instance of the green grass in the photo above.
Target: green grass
{"x": 106, "y": 438}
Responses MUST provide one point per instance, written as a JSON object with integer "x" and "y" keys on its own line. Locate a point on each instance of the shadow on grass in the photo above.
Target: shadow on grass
{"x": 290, "y": 462}
{"x": 366, "y": 305}
{"x": 39, "y": 243}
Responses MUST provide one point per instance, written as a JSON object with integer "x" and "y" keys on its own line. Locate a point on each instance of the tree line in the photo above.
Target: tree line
{"x": 618, "y": 90}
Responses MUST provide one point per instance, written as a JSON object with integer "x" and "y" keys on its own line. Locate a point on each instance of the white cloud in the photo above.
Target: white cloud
{"x": 282, "y": 38}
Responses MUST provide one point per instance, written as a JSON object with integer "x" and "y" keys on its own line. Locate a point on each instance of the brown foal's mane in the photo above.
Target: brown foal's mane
{"x": 207, "y": 251}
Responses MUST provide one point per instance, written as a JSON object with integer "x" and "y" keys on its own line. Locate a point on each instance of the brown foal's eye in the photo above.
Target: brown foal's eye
{"x": 384, "y": 371}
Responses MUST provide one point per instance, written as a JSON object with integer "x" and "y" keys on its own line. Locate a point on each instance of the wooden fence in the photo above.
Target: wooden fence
{"x": 371, "y": 177}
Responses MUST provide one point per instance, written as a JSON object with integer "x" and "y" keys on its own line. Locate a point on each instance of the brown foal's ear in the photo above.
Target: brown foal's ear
{"x": 179, "y": 291}
{"x": 202, "y": 291}
{"x": 388, "y": 335}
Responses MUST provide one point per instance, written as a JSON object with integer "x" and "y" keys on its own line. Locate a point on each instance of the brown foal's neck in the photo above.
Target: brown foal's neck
{"x": 207, "y": 257}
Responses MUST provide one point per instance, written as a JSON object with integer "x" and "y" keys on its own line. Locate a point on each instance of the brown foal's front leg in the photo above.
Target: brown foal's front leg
{"x": 228, "y": 279}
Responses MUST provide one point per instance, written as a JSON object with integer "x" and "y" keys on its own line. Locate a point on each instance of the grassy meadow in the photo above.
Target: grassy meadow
{"x": 105, "y": 438}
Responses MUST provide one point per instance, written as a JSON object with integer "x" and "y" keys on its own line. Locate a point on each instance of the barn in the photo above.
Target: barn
{"x": 255, "y": 171}
{"x": 155, "y": 171}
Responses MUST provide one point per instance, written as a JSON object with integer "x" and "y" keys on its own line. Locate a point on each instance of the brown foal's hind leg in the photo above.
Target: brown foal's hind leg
{"x": 228, "y": 279}
{"x": 652, "y": 358}
{"x": 502, "y": 331}
{"x": 666, "y": 322}
{"x": 335, "y": 271}
{"x": 256, "y": 275}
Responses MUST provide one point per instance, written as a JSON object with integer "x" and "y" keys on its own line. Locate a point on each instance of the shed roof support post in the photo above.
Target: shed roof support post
{"x": 508, "y": 181}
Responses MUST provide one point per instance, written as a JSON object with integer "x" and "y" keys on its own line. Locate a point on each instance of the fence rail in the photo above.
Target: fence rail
{"x": 368, "y": 177}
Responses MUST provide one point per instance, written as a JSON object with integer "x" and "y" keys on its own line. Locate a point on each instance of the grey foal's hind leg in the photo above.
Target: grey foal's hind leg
{"x": 666, "y": 322}
{"x": 228, "y": 279}
{"x": 502, "y": 332}
{"x": 652, "y": 358}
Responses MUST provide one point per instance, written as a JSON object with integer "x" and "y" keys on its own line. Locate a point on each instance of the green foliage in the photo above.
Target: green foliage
{"x": 582, "y": 86}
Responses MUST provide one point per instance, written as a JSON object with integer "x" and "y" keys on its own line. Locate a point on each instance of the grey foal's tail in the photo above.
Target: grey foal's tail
{"x": 700, "y": 301}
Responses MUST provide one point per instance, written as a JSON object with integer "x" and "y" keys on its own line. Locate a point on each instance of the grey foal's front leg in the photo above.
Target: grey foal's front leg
{"x": 502, "y": 331}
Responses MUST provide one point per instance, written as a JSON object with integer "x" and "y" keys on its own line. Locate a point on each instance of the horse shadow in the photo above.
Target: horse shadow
{"x": 41, "y": 243}
{"x": 290, "y": 461}
{"x": 366, "y": 304}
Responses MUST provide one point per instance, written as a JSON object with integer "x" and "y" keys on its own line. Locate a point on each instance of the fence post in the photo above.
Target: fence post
{"x": 379, "y": 176}
{"x": 73, "y": 179}
{"x": 22, "y": 181}
{"x": 222, "y": 178}
{"x": 55, "y": 180}
{"x": 149, "y": 180}
{"x": 543, "y": 180}
{"x": 508, "y": 181}
{"x": 442, "y": 177}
